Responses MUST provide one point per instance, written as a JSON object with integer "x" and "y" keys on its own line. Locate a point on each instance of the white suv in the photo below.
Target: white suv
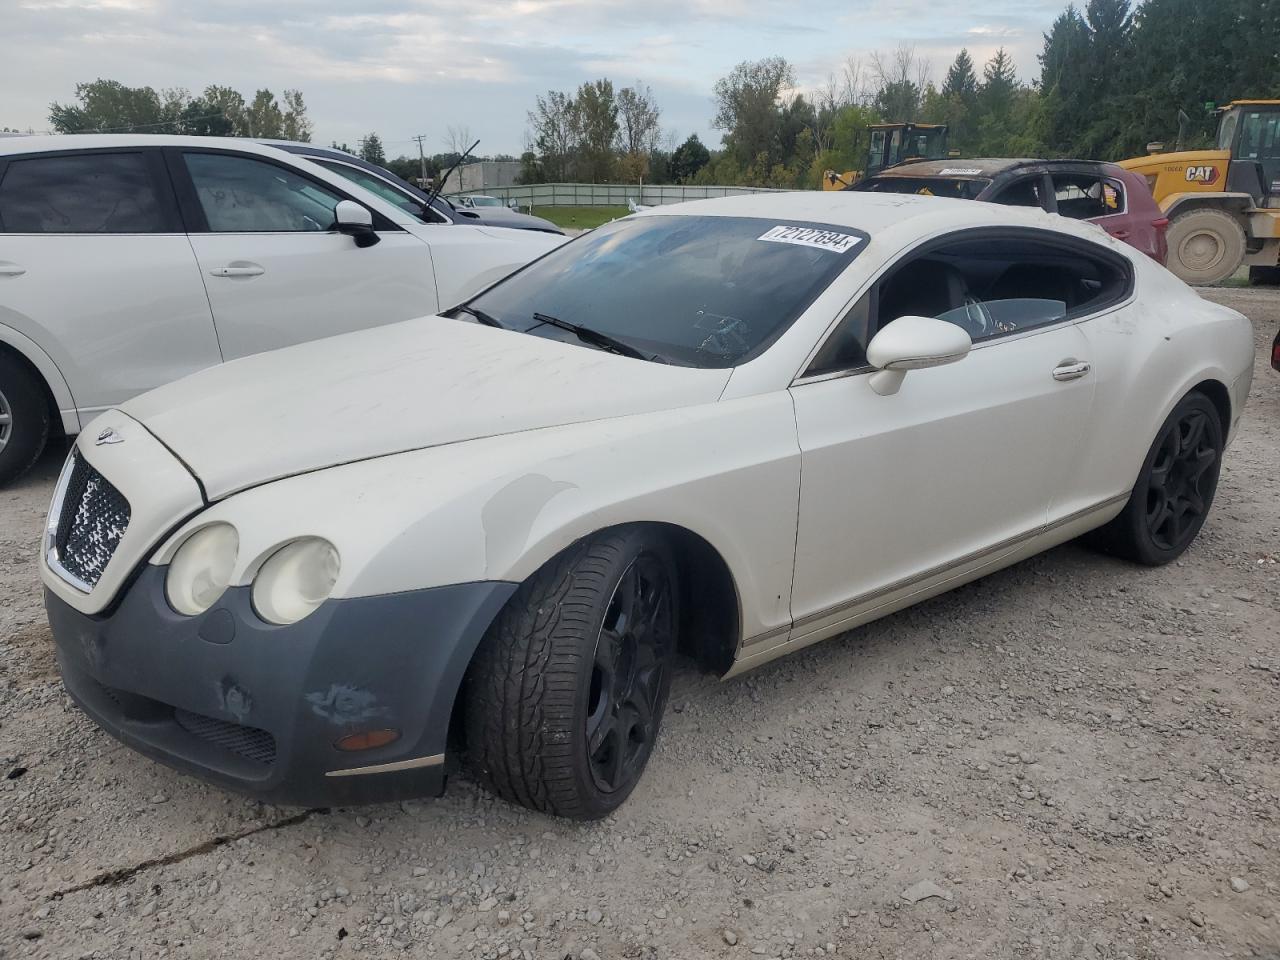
{"x": 129, "y": 261}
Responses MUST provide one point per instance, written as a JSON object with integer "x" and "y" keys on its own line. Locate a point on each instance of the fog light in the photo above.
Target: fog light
{"x": 367, "y": 740}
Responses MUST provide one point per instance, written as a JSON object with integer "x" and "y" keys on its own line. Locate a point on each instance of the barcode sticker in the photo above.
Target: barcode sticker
{"x": 812, "y": 237}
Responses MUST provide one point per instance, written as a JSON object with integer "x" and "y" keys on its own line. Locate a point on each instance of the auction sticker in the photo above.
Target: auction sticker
{"x": 959, "y": 171}
{"x": 812, "y": 237}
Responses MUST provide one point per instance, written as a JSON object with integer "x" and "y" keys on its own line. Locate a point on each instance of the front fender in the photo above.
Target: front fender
{"x": 496, "y": 509}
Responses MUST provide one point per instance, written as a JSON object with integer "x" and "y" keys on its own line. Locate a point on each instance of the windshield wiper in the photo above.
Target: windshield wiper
{"x": 488, "y": 319}
{"x": 594, "y": 337}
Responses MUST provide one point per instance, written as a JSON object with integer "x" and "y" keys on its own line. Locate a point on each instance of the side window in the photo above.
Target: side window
{"x": 85, "y": 193}
{"x": 1027, "y": 192}
{"x": 381, "y": 188}
{"x": 1081, "y": 196}
{"x": 242, "y": 195}
{"x": 995, "y": 286}
{"x": 845, "y": 348}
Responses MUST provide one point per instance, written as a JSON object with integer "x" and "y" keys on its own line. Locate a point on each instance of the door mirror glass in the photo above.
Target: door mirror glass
{"x": 913, "y": 343}
{"x": 356, "y": 222}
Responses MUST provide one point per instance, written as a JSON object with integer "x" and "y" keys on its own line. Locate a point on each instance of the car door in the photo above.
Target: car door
{"x": 276, "y": 269}
{"x": 96, "y": 270}
{"x": 966, "y": 461}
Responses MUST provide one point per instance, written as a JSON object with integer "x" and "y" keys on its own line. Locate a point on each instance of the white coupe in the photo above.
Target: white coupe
{"x": 731, "y": 428}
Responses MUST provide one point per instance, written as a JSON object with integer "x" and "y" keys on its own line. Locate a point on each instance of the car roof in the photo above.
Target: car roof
{"x": 985, "y": 167}
{"x": 118, "y": 141}
{"x": 893, "y": 217}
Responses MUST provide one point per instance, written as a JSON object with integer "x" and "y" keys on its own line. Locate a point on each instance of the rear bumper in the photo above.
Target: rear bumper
{"x": 257, "y": 708}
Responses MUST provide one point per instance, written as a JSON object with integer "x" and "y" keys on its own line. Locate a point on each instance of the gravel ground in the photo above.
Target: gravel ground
{"x": 1071, "y": 758}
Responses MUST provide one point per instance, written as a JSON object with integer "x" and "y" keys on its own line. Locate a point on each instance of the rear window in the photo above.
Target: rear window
{"x": 698, "y": 291}
{"x": 82, "y": 193}
{"x": 955, "y": 187}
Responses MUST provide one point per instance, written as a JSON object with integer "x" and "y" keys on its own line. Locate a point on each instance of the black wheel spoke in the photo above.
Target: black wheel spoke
{"x": 1192, "y": 433}
{"x": 599, "y": 729}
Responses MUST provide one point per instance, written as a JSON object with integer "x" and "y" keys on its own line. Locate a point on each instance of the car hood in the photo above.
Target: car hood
{"x": 502, "y": 217}
{"x": 406, "y": 386}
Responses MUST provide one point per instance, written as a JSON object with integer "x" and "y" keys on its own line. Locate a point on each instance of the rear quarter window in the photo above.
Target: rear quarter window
{"x": 81, "y": 193}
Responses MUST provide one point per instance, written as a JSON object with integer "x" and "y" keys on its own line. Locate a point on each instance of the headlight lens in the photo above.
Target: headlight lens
{"x": 201, "y": 569}
{"x": 295, "y": 580}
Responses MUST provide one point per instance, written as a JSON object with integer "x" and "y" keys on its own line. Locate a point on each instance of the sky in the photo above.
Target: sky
{"x": 406, "y": 67}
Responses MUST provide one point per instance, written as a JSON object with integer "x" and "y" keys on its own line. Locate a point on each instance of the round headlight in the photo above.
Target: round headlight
{"x": 295, "y": 580}
{"x": 201, "y": 569}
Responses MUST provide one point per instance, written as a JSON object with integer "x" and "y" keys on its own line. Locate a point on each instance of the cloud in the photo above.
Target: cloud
{"x": 407, "y": 66}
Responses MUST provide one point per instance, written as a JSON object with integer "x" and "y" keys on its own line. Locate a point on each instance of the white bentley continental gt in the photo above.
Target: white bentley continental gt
{"x": 729, "y": 428}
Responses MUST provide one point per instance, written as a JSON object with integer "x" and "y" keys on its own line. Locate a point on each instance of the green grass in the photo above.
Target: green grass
{"x": 580, "y": 218}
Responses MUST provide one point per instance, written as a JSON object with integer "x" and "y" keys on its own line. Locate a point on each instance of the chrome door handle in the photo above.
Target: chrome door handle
{"x": 1071, "y": 370}
{"x": 239, "y": 268}
{"x": 8, "y": 269}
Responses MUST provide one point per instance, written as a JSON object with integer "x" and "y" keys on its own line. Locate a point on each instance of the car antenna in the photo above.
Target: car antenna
{"x": 435, "y": 191}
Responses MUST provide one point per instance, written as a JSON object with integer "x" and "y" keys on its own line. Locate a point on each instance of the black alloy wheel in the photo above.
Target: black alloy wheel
{"x": 1175, "y": 489}
{"x": 629, "y": 673}
{"x": 1182, "y": 480}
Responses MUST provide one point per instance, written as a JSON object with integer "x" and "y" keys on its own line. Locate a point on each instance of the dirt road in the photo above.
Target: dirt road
{"x": 1072, "y": 758}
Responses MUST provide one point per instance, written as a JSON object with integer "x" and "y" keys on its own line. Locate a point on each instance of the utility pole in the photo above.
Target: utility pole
{"x": 422, "y": 160}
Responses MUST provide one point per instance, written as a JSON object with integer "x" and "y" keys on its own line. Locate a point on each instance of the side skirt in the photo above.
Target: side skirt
{"x": 898, "y": 596}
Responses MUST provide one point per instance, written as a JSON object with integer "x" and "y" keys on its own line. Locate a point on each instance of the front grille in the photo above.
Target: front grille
{"x": 248, "y": 742}
{"x": 93, "y": 518}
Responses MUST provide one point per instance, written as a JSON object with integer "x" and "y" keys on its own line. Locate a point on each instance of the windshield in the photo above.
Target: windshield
{"x": 700, "y": 291}
{"x": 485, "y": 201}
{"x": 961, "y": 189}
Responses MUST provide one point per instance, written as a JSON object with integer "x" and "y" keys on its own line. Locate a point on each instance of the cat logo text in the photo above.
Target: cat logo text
{"x": 1202, "y": 174}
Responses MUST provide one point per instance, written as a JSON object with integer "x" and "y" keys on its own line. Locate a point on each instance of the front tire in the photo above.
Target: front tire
{"x": 565, "y": 697}
{"x": 24, "y": 419}
{"x": 1205, "y": 246}
{"x": 1175, "y": 489}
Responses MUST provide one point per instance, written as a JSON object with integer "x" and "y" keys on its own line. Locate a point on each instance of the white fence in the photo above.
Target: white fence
{"x": 611, "y": 194}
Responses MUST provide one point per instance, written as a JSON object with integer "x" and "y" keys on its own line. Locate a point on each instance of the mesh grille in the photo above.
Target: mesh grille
{"x": 248, "y": 742}
{"x": 94, "y": 518}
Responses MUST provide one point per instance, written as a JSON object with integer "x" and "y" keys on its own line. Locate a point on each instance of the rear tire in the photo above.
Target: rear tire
{"x": 24, "y": 419}
{"x": 1205, "y": 246}
{"x": 565, "y": 697}
{"x": 1175, "y": 488}
{"x": 1264, "y": 276}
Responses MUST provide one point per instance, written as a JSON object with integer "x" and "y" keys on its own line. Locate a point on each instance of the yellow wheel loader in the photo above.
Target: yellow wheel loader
{"x": 1223, "y": 204}
{"x": 893, "y": 143}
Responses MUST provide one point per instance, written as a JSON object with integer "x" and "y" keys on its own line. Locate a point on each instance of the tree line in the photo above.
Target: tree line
{"x": 108, "y": 106}
{"x": 1112, "y": 77}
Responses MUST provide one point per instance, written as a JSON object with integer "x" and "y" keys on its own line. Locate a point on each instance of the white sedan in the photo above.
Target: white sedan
{"x": 130, "y": 260}
{"x": 731, "y": 428}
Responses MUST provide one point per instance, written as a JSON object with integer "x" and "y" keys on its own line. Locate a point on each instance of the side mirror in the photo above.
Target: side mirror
{"x": 356, "y": 222}
{"x": 913, "y": 343}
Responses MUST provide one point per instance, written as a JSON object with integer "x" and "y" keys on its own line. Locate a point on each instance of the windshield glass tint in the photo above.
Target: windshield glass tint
{"x": 927, "y": 186}
{"x": 702, "y": 291}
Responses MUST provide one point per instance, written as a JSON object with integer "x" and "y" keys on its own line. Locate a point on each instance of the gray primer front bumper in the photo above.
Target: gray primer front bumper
{"x": 356, "y": 664}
